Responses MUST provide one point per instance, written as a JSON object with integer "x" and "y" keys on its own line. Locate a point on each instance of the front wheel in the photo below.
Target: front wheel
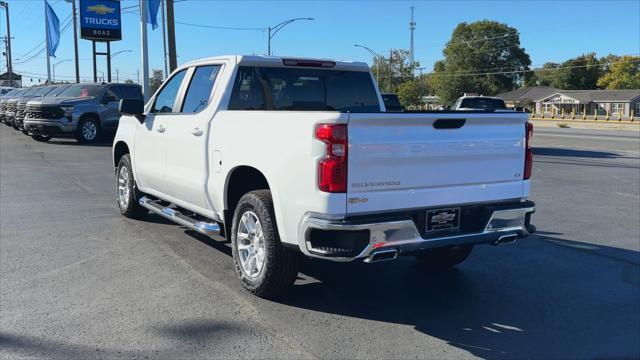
{"x": 41, "y": 138}
{"x": 88, "y": 130}
{"x": 127, "y": 194}
{"x": 443, "y": 258}
{"x": 264, "y": 266}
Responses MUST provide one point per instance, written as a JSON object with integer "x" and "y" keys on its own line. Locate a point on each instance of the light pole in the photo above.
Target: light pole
{"x": 120, "y": 52}
{"x": 273, "y": 30}
{"x": 54, "y": 68}
{"x": 376, "y": 56}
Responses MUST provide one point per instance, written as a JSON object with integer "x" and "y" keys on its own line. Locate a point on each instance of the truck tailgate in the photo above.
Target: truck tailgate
{"x": 404, "y": 161}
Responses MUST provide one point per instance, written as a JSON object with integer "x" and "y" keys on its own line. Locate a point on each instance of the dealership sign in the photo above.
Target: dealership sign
{"x": 100, "y": 20}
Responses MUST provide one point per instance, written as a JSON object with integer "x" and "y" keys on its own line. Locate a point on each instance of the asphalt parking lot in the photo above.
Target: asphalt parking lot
{"x": 77, "y": 280}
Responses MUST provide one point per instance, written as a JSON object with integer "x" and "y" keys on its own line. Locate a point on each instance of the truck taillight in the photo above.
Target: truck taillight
{"x": 332, "y": 169}
{"x": 528, "y": 155}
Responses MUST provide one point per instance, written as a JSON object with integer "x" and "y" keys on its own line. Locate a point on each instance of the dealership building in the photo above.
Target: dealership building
{"x": 547, "y": 100}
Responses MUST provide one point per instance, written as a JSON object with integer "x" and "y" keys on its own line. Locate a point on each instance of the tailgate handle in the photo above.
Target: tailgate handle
{"x": 449, "y": 123}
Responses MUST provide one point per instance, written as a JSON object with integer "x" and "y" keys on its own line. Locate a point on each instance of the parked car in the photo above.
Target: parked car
{"x": 21, "y": 105}
{"x": 484, "y": 103}
{"x": 289, "y": 157}
{"x": 83, "y": 111}
{"x": 392, "y": 103}
{"x": 12, "y": 104}
{"x": 3, "y": 102}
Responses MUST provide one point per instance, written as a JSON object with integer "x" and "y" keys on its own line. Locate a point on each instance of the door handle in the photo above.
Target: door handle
{"x": 197, "y": 132}
{"x": 160, "y": 129}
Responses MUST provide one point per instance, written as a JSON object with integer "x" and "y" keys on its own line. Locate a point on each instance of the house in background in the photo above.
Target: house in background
{"x": 17, "y": 79}
{"x": 524, "y": 98}
{"x": 621, "y": 103}
{"x": 549, "y": 101}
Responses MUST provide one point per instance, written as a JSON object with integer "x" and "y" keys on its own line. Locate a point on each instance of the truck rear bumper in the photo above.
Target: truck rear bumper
{"x": 349, "y": 240}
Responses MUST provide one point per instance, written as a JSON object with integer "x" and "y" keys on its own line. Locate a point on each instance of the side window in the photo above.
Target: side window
{"x": 247, "y": 91}
{"x": 166, "y": 99}
{"x": 130, "y": 92}
{"x": 200, "y": 88}
{"x": 112, "y": 94}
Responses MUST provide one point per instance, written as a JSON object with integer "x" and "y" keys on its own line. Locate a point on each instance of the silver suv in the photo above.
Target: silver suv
{"x": 82, "y": 111}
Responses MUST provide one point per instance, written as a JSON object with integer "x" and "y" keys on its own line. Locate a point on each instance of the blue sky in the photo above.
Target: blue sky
{"x": 550, "y": 30}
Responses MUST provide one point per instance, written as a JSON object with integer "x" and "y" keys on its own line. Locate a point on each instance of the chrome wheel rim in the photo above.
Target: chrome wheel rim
{"x": 123, "y": 187}
{"x": 251, "y": 247}
{"x": 89, "y": 130}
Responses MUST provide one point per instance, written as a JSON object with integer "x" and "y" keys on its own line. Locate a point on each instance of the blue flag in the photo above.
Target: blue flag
{"x": 53, "y": 29}
{"x": 152, "y": 12}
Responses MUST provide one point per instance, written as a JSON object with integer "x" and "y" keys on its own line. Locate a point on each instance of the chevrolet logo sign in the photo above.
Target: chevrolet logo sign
{"x": 101, "y": 9}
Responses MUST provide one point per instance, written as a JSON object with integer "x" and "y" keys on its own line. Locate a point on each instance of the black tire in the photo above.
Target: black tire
{"x": 24, "y": 131}
{"x": 443, "y": 258}
{"x": 83, "y": 136}
{"x": 131, "y": 208}
{"x": 41, "y": 138}
{"x": 280, "y": 267}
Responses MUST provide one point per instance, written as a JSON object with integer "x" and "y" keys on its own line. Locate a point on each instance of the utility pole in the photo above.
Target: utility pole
{"x": 171, "y": 37}
{"x": 412, "y": 28}
{"x": 5, "y": 5}
{"x": 75, "y": 38}
{"x": 390, "y": 69}
{"x": 164, "y": 40}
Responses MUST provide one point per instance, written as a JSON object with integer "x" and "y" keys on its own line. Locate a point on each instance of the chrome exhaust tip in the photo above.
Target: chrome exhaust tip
{"x": 506, "y": 239}
{"x": 383, "y": 255}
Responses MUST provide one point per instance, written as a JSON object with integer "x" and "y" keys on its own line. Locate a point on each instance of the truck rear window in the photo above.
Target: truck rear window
{"x": 483, "y": 104}
{"x": 303, "y": 90}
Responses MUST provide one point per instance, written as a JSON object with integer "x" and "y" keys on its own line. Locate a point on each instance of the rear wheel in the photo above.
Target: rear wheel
{"x": 264, "y": 266}
{"x": 127, "y": 194}
{"x": 443, "y": 258}
{"x": 88, "y": 130}
{"x": 41, "y": 138}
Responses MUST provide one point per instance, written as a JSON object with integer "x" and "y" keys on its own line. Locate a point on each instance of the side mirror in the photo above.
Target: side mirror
{"x": 131, "y": 107}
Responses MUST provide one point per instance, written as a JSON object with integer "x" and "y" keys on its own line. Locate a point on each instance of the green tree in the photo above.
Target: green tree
{"x": 392, "y": 75}
{"x": 580, "y": 73}
{"x": 545, "y": 76}
{"x": 483, "y": 57}
{"x": 623, "y": 73}
{"x": 410, "y": 92}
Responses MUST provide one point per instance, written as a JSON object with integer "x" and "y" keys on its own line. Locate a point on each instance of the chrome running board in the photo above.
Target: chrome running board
{"x": 207, "y": 228}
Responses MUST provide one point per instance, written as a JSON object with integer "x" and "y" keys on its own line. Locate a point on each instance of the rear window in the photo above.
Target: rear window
{"x": 483, "y": 104}
{"x": 391, "y": 102}
{"x": 303, "y": 90}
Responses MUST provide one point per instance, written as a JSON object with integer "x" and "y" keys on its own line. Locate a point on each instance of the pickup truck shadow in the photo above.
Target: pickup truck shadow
{"x": 544, "y": 297}
{"x": 543, "y": 151}
{"x": 539, "y": 298}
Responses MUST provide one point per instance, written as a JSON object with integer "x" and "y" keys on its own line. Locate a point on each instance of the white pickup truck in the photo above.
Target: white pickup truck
{"x": 288, "y": 157}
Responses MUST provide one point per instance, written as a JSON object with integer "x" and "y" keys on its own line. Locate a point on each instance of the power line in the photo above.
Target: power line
{"x": 519, "y": 71}
{"x": 64, "y": 28}
{"x": 219, "y": 27}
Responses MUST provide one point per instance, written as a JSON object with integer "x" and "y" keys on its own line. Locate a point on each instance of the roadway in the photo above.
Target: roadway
{"x": 77, "y": 280}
